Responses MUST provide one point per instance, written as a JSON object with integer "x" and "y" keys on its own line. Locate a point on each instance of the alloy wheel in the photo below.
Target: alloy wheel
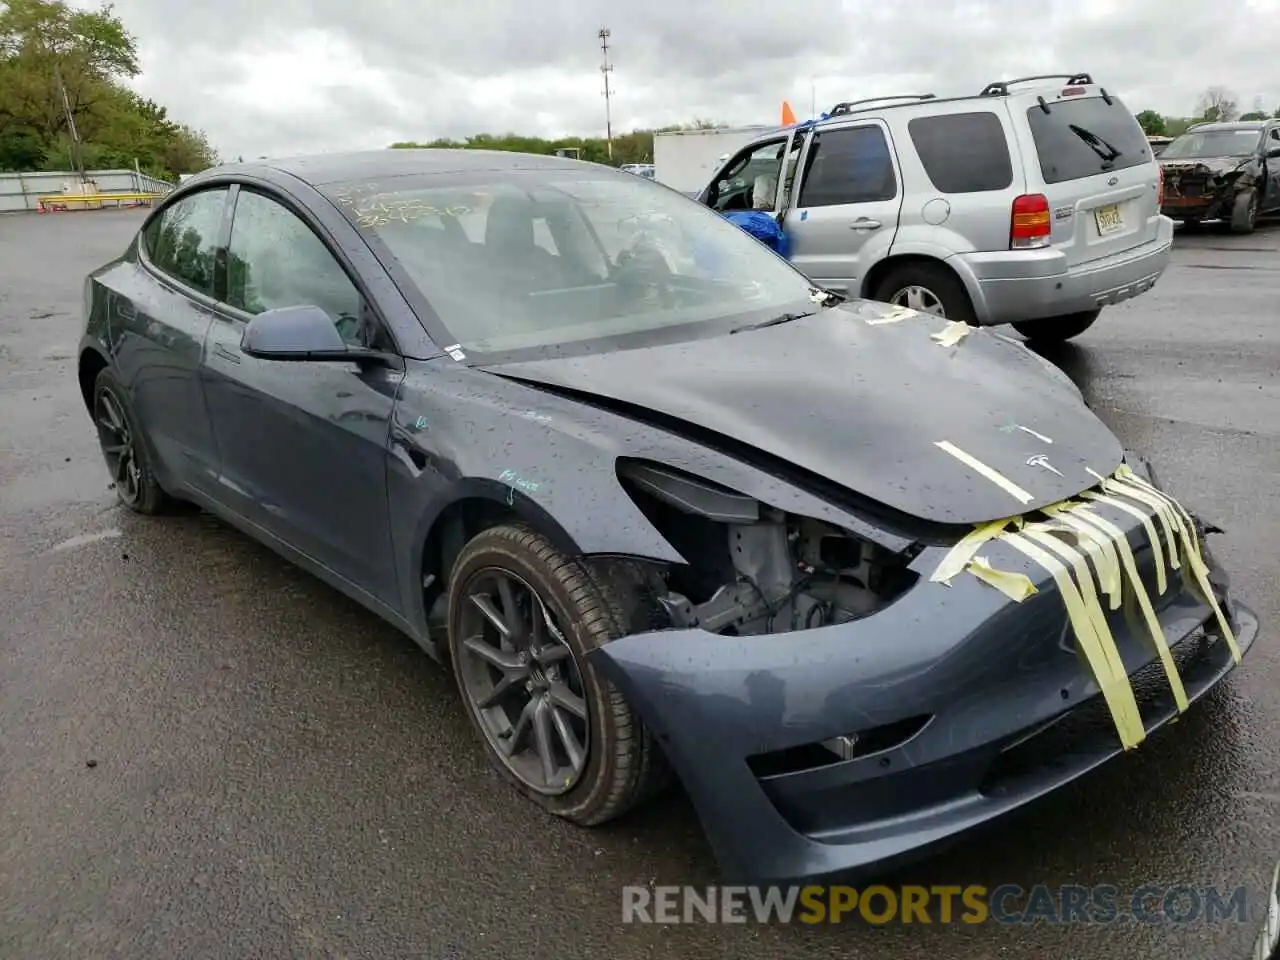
{"x": 118, "y": 446}
{"x": 523, "y": 682}
{"x": 921, "y": 299}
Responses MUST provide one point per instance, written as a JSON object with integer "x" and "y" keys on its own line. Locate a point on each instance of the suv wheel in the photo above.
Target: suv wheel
{"x": 929, "y": 288}
{"x": 1244, "y": 213}
{"x": 1057, "y": 329}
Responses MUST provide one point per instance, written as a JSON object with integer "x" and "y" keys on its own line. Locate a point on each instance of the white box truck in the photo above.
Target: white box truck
{"x": 686, "y": 160}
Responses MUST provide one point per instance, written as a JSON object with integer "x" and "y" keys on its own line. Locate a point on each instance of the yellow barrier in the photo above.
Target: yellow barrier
{"x": 60, "y": 201}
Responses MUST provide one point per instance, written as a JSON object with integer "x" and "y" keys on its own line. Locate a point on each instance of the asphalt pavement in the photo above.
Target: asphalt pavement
{"x": 206, "y": 753}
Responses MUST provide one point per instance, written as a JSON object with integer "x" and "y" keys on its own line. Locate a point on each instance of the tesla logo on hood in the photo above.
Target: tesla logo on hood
{"x": 1040, "y": 460}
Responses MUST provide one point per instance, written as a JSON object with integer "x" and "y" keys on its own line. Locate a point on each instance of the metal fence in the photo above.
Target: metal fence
{"x": 22, "y": 191}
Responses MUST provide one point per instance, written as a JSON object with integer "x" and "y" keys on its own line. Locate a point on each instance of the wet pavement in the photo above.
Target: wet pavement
{"x": 207, "y": 753}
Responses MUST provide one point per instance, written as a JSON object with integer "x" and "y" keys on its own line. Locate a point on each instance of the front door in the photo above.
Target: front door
{"x": 302, "y": 446}
{"x": 845, "y": 214}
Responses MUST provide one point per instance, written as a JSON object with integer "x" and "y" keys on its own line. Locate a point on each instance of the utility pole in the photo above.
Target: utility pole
{"x": 606, "y": 68}
{"x": 76, "y": 156}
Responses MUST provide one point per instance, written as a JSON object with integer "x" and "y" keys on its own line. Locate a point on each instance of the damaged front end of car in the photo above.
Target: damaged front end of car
{"x": 1197, "y": 190}
{"x": 834, "y": 706}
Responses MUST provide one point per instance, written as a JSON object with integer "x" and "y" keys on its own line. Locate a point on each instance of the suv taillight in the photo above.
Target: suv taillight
{"x": 1159, "y": 187}
{"x": 1029, "y": 226}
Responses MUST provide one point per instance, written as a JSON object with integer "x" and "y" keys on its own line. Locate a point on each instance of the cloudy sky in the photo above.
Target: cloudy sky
{"x": 290, "y": 76}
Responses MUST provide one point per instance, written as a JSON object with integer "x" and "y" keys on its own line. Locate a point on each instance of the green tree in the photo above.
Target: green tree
{"x": 1217, "y": 104}
{"x": 1151, "y": 122}
{"x": 48, "y": 47}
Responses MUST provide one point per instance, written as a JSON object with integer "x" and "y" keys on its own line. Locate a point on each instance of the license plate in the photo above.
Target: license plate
{"x": 1108, "y": 219}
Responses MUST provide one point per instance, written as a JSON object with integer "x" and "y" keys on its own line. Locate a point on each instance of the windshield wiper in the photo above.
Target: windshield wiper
{"x": 1106, "y": 151}
{"x": 773, "y": 321}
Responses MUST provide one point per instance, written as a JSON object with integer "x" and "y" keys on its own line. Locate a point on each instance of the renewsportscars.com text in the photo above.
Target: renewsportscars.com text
{"x": 936, "y": 904}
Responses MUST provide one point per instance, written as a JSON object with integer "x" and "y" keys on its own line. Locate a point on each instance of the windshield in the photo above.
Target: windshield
{"x": 547, "y": 262}
{"x": 1210, "y": 144}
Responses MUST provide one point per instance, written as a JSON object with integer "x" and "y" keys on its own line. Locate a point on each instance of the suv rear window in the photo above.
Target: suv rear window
{"x": 963, "y": 152}
{"x": 1086, "y": 137}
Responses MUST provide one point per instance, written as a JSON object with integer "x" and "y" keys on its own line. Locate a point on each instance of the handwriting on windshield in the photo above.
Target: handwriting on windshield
{"x": 371, "y": 207}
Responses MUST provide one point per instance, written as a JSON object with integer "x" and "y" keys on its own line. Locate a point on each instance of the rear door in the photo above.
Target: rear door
{"x": 1270, "y": 144}
{"x": 1089, "y": 157}
{"x": 844, "y": 214}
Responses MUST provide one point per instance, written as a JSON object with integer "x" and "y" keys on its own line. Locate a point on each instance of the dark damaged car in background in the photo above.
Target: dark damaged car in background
{"x": 859, "y": 577}
{"x": 1223, "y": 171}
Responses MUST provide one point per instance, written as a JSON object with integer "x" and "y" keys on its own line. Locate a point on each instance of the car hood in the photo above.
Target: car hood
{"x": 1216, "y": 165}
{"x": 864, "y": 405}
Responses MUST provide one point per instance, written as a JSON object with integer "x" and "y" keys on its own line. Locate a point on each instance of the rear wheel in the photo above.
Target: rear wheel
{"x": 125, "y": 449}
{"x": 523, "y": 619}
{"x": 928, "y": 288}
{"x": 1244, "y": 212}
{"x": 1057, "y": 329}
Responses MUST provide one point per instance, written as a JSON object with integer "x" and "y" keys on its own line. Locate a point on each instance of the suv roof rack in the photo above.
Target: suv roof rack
{"x": 848, "y": 105}
{"x": 1000, "y": 88}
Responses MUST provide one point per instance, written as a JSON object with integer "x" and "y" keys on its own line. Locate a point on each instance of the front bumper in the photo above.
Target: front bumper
{"x": 1012, "y": 715}
{"x": 1214, "y": 207}
{"x": 1008, "y": 286}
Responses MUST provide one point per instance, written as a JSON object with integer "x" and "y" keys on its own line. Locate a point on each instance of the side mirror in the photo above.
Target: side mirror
{"x": 1267, "y": 946}
{"x": 298, "y": 333}
{"x": 1273, "y": 153}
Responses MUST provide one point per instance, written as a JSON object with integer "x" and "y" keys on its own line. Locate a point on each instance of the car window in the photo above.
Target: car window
{"x": 537, "y": 262}
{"x": 183, "y": 239}
{"x": 963, "y": 152}
{"x": 751, "y": 182}
{"x": 1086, "y": 137}
{"x": 848, "y": 165}
{"x": 275, "y": 260}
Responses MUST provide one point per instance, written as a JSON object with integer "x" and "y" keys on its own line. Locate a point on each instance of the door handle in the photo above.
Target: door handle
{"x": 220, "y": 351}
{"x": 408, "y": 454}
{"x": 863, "y": 223}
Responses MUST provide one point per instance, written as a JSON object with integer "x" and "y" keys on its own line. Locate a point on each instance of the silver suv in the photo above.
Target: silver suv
{"x": 1035, "y": 206}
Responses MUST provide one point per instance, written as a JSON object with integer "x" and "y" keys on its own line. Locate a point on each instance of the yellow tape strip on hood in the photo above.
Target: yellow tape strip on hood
{"x": 1099, "y": 547}
{"x": 1191, "y": 546}
{"x": 1085, "y": 516}
{"x": 952, "y": 333}
{"x": 1016, "y": 586}
{"x": 958, "y": 557}
{"x": 1115, "y": 687}
{"x": 995, "y": 476}
{"x": 1152, "y": 535}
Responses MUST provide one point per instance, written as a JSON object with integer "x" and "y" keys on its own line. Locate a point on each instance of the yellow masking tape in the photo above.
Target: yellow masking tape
{"x": 1084, "y": 582}
{"x": 1115, "y": 689}
{"x": 1117, "y": 536}
{"x": 1016, "y": 586}
{"x": 1101, "y": 550}
{"x": 893, "y": 316}
{"x": 1152, "y": 535}
{"x": 952, "y": 333}
{"x": 995, "y": 476}
{"x": 1191, "y": 548}
{"x": 1162, "y": 511}
{"x": 959, "y": 555}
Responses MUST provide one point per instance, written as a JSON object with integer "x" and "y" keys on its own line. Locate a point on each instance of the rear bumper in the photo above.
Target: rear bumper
{"x": 1013, "y": 716}
{"x": 1008, "y": 286}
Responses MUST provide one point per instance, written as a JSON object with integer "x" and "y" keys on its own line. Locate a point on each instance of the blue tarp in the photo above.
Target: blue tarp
{"x": 761, "y": 226}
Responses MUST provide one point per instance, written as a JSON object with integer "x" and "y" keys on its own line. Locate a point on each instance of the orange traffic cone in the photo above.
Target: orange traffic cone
{"x": 788, "y": 115}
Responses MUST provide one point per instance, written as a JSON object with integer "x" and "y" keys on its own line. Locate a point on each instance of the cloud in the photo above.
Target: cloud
{"x": 298, "y": 76}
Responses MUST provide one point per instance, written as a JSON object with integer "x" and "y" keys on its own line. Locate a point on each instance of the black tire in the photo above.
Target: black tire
{"x": 593, "y": 604}
{"x": 1057, "y": 329}
{"x": 936, "y": 280}
{"x": 132, "y": 475}
{"x": 1244, "y": 212}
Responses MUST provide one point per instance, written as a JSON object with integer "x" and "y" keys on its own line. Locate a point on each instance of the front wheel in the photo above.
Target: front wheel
{"x": 523, "y": 618}
{"x": 928, "y": 288}
{"x": 1057, "y": 329}
{"x": 1244, "y": 212}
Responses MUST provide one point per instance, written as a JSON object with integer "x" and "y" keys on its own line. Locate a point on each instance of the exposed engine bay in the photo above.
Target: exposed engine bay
{"x": 754, "y": 569}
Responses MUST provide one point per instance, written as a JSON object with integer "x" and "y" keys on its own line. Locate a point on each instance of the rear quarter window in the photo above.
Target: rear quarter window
{"x": 963, "y": 152}
{"x": 1085, "y": 137}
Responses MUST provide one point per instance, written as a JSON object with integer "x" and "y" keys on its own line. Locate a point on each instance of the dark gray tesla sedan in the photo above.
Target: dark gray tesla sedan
{"x": 860, "y": 578}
